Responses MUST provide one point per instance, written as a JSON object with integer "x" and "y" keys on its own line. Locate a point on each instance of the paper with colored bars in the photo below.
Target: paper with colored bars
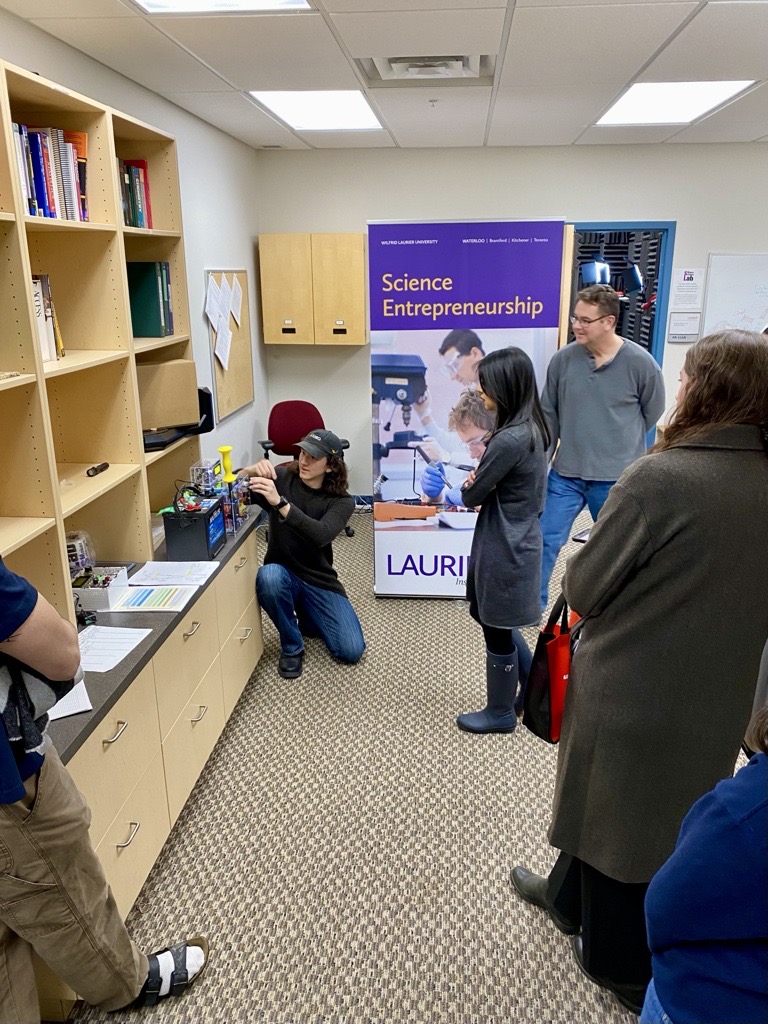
{"x": 154, "y": 599}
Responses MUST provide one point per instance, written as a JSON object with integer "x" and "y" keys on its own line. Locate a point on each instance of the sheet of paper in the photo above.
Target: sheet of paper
{"x": 223, "y": 341}
{"x": 155, "y": 574}
{"x": 103, "y": 647}
{"x": 154, "y": 599}
{"x": 687, "y": 288}
{"x": 76, "y": 700}
{"x": 237, "y": 300}
{"x": 212, "y": 301}
{"x": 225, "y": 299}
{"x": 458, "y": 520}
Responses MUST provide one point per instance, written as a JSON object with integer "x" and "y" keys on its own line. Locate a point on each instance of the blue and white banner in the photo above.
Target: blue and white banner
{"x": 443, "y": 295}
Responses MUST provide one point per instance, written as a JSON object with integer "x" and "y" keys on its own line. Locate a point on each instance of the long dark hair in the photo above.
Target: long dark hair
{"x": 335, "y": 481}
{"x": 728, "y": 385}
{"x": 507, "y": 377}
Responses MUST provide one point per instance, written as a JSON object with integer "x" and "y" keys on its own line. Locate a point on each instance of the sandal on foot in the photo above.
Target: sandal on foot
{"x": 180, "y": 980}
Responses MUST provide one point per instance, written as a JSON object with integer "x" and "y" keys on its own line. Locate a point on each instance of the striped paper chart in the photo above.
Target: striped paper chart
{"x": 154, "y": 599}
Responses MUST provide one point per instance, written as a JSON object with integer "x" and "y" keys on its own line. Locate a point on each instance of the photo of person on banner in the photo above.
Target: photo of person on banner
{"x": 472, "y": 423}
{"x": 461, "y": 350}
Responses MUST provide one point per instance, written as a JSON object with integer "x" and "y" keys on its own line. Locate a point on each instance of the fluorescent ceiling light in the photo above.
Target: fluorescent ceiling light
{"x": 324, "y": 111}
{"x": 219, "y": 6}
{"x": 670, "y": 102}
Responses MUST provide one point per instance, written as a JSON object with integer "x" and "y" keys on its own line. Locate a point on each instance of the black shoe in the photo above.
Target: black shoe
{"x": 290, "y": 666}
{"x": 533, "y": 889}
{"x": 630, "y": 996}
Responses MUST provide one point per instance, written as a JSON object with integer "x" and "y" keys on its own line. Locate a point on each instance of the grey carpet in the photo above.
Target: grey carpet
{"x": 347, "y": 849}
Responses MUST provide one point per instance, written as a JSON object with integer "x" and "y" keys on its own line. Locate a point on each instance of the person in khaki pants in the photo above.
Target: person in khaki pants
{"x": 54, "y": 898}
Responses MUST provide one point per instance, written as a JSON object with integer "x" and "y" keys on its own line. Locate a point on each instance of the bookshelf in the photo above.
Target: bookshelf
{"x": 61, "y": 416}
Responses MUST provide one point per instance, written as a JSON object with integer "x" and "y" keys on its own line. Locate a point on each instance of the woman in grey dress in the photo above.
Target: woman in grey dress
{"x": 673, "y": 582}
{"x": 505, "y": 562}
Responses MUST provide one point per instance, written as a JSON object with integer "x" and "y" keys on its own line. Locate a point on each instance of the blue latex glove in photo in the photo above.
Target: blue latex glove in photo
{"x": 432, "y": 482}
{"x": 454, "y": 497}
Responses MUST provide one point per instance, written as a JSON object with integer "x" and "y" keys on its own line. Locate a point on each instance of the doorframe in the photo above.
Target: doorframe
{"x": 667, "y": 229}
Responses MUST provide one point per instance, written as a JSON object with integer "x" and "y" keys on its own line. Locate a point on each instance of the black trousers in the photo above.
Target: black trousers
{"x": 611, "y": 916}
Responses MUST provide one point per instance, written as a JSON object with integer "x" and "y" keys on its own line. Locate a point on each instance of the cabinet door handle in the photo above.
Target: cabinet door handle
{"x": 248, "y": 631}
{"x": 195, "y": 627}
{"x": 203, "y": 709}
{"x": 121, "y": 727}
{"x": 136, "y": 825}
{"x": 241, "y": 563}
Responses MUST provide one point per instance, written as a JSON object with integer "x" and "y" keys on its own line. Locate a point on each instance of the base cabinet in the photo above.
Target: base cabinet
{"x": 139, "y": 765}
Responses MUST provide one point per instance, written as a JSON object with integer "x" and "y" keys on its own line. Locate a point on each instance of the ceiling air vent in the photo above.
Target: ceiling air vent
{"x": 415, "y": 68}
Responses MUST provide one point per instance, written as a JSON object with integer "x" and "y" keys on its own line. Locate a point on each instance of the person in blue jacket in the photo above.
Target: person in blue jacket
{"x": 707, "y": 906}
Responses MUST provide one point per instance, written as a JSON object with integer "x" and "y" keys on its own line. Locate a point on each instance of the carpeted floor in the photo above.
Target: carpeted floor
{"x": 347, "y": 849}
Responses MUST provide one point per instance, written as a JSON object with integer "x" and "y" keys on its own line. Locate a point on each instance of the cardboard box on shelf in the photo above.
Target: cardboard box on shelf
{"x": 167, "y": 393}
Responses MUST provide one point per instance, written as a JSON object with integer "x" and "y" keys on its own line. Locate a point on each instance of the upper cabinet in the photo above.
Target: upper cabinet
{"x": 313, "y": 289}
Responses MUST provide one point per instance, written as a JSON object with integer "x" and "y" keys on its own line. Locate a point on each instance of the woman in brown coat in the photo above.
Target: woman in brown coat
{"x": 674, "y": 586}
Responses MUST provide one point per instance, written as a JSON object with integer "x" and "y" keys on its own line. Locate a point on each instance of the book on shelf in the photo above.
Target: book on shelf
{"x": 43, "y": 305}
{"x": 54, "y": 147}
{"x": 79, "y": 142}
{"x": 143, "y": 189}
{"x": 21, "y": 160}
{"x": 149, "y": 293}
{"x": 38, "y": 173}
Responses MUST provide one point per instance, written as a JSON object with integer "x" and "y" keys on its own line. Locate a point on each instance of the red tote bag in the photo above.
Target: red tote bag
{"x": 548, "y": 679}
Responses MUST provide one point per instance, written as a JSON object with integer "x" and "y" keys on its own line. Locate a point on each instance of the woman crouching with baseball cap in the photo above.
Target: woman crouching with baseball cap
{"x": 297, "y": 586}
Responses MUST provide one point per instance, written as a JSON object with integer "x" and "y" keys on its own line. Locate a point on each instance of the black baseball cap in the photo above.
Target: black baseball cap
{"x": 319, "y": 443}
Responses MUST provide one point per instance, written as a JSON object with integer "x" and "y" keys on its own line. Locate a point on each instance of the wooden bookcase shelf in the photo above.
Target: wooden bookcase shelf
{"x": 62, "y": 416}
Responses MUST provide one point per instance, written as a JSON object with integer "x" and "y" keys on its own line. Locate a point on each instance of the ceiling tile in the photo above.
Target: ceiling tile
{"x": 421, "y": 33}
{"x": 622, "y": 135}
{"x": 547, "y": 115}
{"x": 31, "y": 9}
{"x": 575, "y": 46}
{"x": 724, "y": 42}
{"x": 136, "y": 50}
{"x": 744, "y": 120}
{"x": 349, "y": 140}
{"x": 457, "y": 118}
{"x": 234, "y": 114}
{"x": 588, "y": 3}
{"x": 281, "y": 51}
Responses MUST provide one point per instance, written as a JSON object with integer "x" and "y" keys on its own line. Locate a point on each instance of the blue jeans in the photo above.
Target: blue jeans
{"x": 652, "y": 1011}
{"x": 566, "y": 497}
{"x": 299, "y": 610}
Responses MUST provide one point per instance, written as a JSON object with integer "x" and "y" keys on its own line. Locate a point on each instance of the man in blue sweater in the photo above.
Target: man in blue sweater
{"x": 602, "y": 396}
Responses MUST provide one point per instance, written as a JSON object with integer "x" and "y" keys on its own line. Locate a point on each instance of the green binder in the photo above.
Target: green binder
{"x": 145, "y": 288}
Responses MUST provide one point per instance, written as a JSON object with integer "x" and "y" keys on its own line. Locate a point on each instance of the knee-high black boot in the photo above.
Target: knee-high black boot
{"x": 501, "y": 684}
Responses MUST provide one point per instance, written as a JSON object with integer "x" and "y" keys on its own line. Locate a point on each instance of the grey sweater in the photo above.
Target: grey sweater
{"x": 601, "y": 414}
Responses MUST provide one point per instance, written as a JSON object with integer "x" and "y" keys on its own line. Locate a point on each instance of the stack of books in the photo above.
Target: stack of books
{"x": 134, "y": 187}
{"x": 48, "y": 330}
{"x": 149, "y": 289}
{"x": 52, "y": 165}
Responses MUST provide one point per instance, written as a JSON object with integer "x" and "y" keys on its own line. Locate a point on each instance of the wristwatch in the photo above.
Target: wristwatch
{"x": 282, "y": 503}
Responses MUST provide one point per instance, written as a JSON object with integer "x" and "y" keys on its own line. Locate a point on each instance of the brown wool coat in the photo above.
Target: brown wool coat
{"x": 674, "y": 579}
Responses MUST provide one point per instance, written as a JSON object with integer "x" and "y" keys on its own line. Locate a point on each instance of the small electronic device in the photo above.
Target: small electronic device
{"x": 195, "y": 534}
{"x": 99, "y": 588}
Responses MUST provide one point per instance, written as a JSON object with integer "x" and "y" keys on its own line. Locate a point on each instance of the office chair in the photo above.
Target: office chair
{"x": 288, "y": 423}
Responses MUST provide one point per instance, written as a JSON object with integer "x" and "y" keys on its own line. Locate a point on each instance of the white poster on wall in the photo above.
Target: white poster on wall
{"x": 687, "y": 288}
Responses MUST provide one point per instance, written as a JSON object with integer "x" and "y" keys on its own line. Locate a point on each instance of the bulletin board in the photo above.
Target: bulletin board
{"x": 233, "y": 385}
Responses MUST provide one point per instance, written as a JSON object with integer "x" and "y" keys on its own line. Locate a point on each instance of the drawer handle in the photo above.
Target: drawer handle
{"x": 136, "y": 826}
{"x": 241, "y": 563}
{"x": 248, "y": 631}
{"x": 195, "y": 627}
{"x": 201, "y": 716}
{"x": 122, "y": 726}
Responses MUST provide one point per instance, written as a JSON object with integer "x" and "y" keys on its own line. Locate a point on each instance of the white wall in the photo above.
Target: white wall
{"x": 219, "y": 198}
{"x": 230, "y": 193}
{"x": 716, "y": 195}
